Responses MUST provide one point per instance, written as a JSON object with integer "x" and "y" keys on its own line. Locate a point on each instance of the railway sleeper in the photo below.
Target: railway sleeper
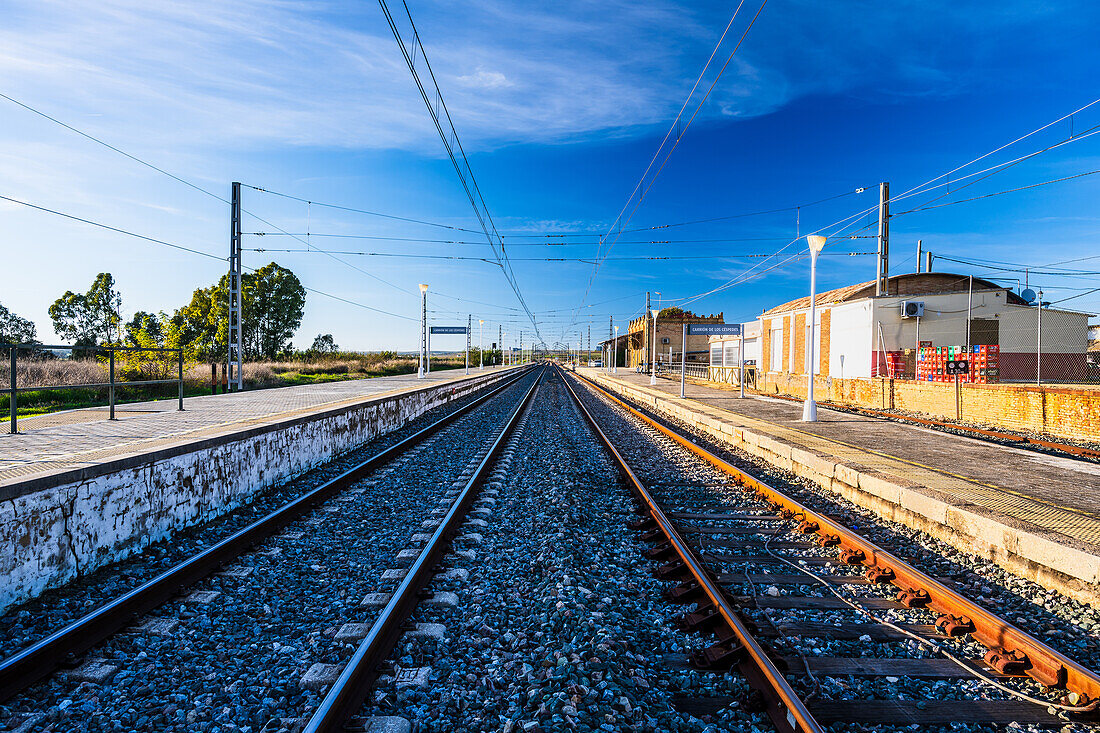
{"x": 660, "y": 552}
{"x": 718, "y": 657}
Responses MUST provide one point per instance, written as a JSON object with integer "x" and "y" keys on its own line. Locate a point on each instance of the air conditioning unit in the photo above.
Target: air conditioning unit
{"x": 912, "y": 309}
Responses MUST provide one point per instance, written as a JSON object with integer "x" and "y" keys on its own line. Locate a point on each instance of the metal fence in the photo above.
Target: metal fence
{"x": 32, "y": 350}
{"x": 1023, "y": 346}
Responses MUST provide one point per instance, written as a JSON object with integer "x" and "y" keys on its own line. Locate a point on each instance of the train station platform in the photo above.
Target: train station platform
{"x": 84, "y": 440}
{"x": 80, "y": 491}
{"x": 1036, "y": 514}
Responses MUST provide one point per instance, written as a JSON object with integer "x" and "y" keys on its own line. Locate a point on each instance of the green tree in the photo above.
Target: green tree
{"x": 144, "y": 329}
{"x": 201, "y": 326}
{"x": 15, "y": 329}
{"x": 273, "y": 302}
{"x": 91, "y": 318}
{"x": 324, "y": 344}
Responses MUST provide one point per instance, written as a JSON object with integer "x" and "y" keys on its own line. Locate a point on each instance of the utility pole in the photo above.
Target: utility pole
{"x": 645, "y": 329}
{"x": 469, "y": 324}
{"x": 883, "y": 239}
{"x": 234, "y": 377}
{"x": 589, "y": 354}
{"x": 928, "y": 262}
{"x": 500, "y": 342}
{"x": 920, "y": 244}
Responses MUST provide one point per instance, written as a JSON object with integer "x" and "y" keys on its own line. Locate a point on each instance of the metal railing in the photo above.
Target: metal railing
{"x": 14, "y": 389}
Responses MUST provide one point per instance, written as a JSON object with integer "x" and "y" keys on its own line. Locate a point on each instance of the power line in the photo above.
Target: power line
{"x": 619, "y": 220}
{"x": 360, "y": 211}
{"x": 162, "y": 242}
{"x": 1000, "y": 193}
{"x": 107, "y": 145}
{"x": 372, "y": 237}
{"x": 450, "y": 143}
{"x": 586, "y": 260}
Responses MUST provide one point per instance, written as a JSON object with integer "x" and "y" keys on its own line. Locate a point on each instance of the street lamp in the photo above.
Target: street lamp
{"x": 503, "y": 356}
{"x": 615, "y": 356}
{"x": 809, "y": 407}
{"x": 480, "y": 341}
{"x": 653, "y": 365}
{"x": 420, "y": 374}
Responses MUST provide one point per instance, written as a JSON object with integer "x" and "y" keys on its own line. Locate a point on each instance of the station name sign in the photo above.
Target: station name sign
{"x": 448, "y": 329}
{"x": 714, "y": 329}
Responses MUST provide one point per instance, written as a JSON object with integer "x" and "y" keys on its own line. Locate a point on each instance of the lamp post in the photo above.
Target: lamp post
{"x": 480, "y": 341}
{"x": 653, "y": 364}
{"x": 420, "y": 373}
{"x": 615, "y": 355}
{"x": 809, "y": 407}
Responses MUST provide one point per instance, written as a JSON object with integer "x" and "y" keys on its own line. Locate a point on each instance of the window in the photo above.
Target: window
{"x": 716, "y": 355}
{"x": 665, "y": 340}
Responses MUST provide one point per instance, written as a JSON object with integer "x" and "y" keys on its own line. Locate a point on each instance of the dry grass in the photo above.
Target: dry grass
{"x": 38, "y": 373}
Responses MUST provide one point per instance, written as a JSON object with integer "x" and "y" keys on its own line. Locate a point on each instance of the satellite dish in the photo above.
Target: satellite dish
{"x": 1028, "y": 294}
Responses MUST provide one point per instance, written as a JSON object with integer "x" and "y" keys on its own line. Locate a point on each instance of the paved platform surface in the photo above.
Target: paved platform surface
{"x": 1060, "y": 495}
{"x": 79, "y": 438}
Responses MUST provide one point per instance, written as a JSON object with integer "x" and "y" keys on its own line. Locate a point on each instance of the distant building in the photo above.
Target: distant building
{"x": 669, "y": 335}
{"x": 856, "y": 330}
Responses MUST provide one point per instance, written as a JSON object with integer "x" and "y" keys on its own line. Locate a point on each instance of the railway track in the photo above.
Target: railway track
{"x": 422, "y": 485}
{"x": 798, "y": 601}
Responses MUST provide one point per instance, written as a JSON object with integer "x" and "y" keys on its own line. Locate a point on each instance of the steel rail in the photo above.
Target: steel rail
{"x": 31, "y": 664}
{"x": 346, "y": 696}
{"x": 786, "y": 709}
{"x": 1044, "y": 664}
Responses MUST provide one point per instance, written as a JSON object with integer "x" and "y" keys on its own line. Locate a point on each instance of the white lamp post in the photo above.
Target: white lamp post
{"x": 809, "y": 407}
{"x": 615, "y": 356}
{"x": 480, "y": 351}
{"x": 420, "y": 373}
{"x": 653, "y": 365}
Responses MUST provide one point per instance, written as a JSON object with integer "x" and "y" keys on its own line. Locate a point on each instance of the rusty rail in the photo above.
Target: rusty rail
{"x": 1040, "y": 662}
{"x": 787, "y": 711}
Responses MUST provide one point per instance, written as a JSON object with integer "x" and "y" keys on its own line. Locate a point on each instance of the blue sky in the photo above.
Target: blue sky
{"x": 561, "y": 106}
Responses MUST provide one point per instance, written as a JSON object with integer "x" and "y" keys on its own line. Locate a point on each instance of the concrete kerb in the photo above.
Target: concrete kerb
{"x": 1049, "y": 559}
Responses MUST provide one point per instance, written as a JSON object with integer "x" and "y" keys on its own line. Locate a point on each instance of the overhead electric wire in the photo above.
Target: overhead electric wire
{"x": 154, "y": 240}
{"x": 622, "y": 224}
{"x": 473, "y": 192}
{"x": 352, "y": 209}
{"x": 586, "y": 260}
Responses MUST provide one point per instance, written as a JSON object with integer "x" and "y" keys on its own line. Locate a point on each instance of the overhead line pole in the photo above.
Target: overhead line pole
{"x": 234, "y": 377}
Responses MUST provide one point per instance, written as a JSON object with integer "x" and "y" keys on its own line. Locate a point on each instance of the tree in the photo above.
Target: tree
{"x": 15, "y": 329}
{"x": 91, "y": 318}
{"x": 324, "y": 343}
{"x": 144, "y": 329}
{"x": 201, "y": 326}
{"x": 273, "y": 302}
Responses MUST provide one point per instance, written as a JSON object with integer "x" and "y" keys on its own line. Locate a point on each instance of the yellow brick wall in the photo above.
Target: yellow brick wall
{"x": 799, "y": 344}
{"x": 1061, "y": 412}
{"x": 765, "y": 344}
{"x": 786, "y": 344}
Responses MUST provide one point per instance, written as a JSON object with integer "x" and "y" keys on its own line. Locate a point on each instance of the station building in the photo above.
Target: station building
{"x": 670, "y": 323}
{"x": 860, "y": 335}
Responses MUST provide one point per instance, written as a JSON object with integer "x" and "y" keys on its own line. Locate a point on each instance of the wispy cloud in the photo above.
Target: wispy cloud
{"x": 256, "y": 72}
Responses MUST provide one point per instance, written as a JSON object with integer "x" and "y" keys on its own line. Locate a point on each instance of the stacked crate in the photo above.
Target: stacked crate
{"x": 895, "y": 364}
{"x": 932, "y": 363}
{"x": 983, "y": 364}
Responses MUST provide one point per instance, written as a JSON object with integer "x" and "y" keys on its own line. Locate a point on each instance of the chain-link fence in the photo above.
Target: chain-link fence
{"x": 1019, "y": 346}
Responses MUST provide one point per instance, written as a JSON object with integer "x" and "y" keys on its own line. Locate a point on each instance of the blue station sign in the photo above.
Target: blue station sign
{"x": 448, "y": 329}
{"x": 714, "y": 329}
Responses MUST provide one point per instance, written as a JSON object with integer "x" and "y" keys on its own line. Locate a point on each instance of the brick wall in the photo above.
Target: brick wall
{"x": 786, "y": 343}
{"x": 823, "y": 357}
{"x": 765, "y": 344}
{"x": 799, "y": 344}
{"x": 1058, "y": 411}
